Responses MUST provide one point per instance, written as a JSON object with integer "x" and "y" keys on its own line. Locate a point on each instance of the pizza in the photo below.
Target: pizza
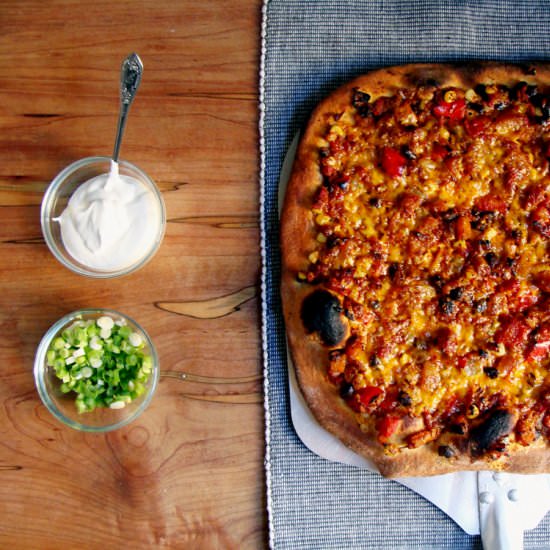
{"x": 415, "y": 236}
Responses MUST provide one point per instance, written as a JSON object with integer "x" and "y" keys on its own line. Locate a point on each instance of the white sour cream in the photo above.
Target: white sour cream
{"x": 111, "y": 222}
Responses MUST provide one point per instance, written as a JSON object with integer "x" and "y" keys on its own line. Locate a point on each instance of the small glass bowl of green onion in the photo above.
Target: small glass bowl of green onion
{"x": 96, "y": 370}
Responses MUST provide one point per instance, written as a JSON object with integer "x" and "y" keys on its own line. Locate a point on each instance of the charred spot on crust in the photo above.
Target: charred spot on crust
{"x": 485, "y": 435}
{"x": 322, "y": 313}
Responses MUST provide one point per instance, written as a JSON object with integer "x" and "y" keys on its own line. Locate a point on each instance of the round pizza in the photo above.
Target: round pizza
{"x": 415, "y": 237}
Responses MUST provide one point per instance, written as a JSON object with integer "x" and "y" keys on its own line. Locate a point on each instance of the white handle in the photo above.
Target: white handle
{"x": 499, "y": 521}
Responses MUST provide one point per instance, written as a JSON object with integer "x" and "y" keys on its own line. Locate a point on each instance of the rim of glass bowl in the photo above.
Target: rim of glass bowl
{"x": 40, "y": 370}
{"x": 67, "y": 260}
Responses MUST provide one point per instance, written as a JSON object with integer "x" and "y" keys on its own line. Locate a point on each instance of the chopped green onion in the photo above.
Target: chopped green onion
{"x": 103, "y": 361}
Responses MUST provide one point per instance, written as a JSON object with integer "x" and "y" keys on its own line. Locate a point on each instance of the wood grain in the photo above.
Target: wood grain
{"x": 189, "y": 472}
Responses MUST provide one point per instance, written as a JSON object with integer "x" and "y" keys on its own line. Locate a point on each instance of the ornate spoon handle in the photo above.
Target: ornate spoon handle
{"x": 130, "y": 78}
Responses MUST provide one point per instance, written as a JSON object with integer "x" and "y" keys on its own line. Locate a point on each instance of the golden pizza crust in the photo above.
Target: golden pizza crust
{"x": 298, "y": 234}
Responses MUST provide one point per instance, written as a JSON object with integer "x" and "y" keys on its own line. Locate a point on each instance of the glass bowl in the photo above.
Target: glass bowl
{"x": 55, "y": 201}
{"x": 62, "y": 404}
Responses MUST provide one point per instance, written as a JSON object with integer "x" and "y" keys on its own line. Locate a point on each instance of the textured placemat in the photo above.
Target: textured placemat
{"x": 308, "y": 48}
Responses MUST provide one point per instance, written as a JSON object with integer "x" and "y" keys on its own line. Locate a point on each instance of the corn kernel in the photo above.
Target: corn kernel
{"x": 337, "y": 130}
{"x": 450, "y": 96}
{"x": 322, "y": 219}
{"x": 321, "y": 238}
{"x": 314, "y": 257}
{"x": 377, "y": 177}
{"x": 302, "y": 276}
{"x": 470, "y": 95}
{"x": 472, "y": 412}
{"x": 444, "y": 133}
{"x": 490, "y": 234}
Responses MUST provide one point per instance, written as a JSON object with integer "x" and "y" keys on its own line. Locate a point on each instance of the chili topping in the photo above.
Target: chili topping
{"x": 433, "y": 227}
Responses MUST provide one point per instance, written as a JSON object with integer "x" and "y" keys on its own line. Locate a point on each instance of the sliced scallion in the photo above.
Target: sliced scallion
{"x": 104, "y": 362}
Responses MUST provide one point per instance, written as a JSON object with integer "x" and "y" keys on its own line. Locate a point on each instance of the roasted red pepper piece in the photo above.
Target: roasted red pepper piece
{"x": 453, "y": 110}
{"x": 387, "y": 427}
{"x": 519, "y": 299}
{"x": 390, "y": 400}
{"x": 393, "y": 162}
{"x": 439, "y": 152}
{"x": 476, "y": 126}
{"x": 523, "y": 301}
{"x": 513, "y": 333}
{"x": 368, "y": 395}
{"x": 541, "y": 344}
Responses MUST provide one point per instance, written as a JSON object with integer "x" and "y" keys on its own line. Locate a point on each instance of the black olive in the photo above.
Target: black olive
{"x": 458, "y": 429}
{"x": 481, "y": 91}
{"x": 408, "y": 154}
{"x": 477, "y": 107}
{"x": 445, "y": 451}
{"x": 333, "y": 241}
{"x": 456, "y": 293}
{"x": 491, "y": 372}
{"x": 499, "y": 106}
{"x": 374, "y": 361}
{"x": 346, "y": 390}
{"x": 484, "y": 243}
{"x": 491, "y": 258}
{"x": 375, "y": 304}
{"x": 404, "y": 398}
{"x": 343, "y": 184}
{"x": 392, "y": 270}
{"x": 360, "y": 100}
{"x": 324, "y": 152}
{"x": 447, "y": 306}
{"x": 450, "y": 215}
{"x": 482, "y": 353}
{"x": 436, "y": 281}
{"x": 375, "y": 202}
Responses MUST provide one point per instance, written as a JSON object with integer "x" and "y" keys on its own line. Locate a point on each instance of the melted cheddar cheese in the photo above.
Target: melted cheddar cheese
{"x": 433, "y": 226}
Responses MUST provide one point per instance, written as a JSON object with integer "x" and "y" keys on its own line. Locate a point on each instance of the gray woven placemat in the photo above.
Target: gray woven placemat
{"x": 308, "y": 48}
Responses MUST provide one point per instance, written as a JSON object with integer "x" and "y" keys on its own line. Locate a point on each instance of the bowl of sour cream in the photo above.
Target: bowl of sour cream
{"x": 102, "y": 218}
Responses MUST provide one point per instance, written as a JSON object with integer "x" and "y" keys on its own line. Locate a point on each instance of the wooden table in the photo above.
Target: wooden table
{"x": 189, "y": 472}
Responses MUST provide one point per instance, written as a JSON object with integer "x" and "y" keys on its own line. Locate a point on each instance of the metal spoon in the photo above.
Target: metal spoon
{"x": 130, "y": 78}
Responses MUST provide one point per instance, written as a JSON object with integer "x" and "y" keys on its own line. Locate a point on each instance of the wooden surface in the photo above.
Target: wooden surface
{"x": 189, "y": 472}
